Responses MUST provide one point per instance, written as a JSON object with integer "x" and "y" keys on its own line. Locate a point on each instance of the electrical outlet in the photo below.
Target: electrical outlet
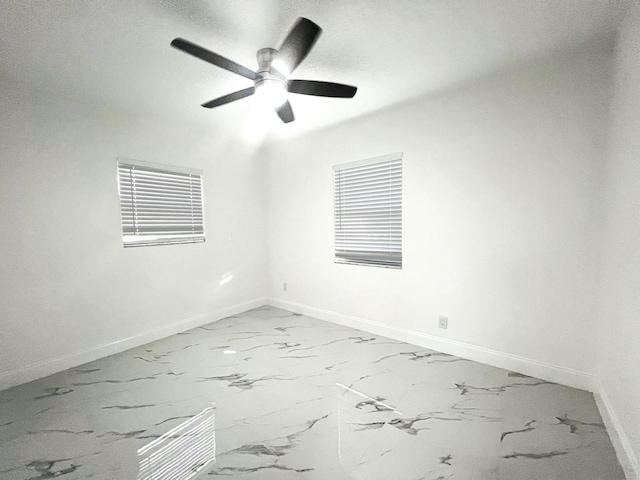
{"x": 284, "y": 287}
{"x": 443, "y": 322}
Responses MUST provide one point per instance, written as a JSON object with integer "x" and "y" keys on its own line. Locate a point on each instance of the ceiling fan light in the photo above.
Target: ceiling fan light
{"x": 271, "y": 92}
{"x": 281, "y": 67}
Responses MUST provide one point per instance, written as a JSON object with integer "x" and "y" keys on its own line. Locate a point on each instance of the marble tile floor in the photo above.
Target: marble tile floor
{"x": 269, "y": 394}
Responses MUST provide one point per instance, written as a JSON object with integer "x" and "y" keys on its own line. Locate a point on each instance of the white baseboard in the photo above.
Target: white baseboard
{"x": 42, "y": 369}
{"x": 619, "y": 438}
{"x": 527, "y": 366}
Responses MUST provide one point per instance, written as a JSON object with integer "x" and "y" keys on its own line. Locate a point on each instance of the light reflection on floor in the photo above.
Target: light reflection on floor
{"x": 182, "y": 452}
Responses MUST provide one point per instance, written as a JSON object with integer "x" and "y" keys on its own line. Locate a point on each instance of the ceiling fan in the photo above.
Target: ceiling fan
{"x": 271, "y": 80}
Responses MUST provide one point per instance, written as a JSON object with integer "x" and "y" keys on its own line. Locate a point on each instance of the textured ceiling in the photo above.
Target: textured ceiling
{"x": 117, "y": 52}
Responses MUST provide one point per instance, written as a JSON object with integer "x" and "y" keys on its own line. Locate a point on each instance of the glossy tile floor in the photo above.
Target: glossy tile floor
{"x": 300, "y": 398}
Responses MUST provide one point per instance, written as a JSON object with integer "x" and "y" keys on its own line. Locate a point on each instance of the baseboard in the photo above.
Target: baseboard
{"x": 619, "y": 438}
{"x": 527, "y": 366}
{"x": 59, "y": 364}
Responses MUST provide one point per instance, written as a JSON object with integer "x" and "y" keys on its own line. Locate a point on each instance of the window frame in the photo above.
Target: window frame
{"x": 175, "y": 178}
{"x": 364, "y": 241}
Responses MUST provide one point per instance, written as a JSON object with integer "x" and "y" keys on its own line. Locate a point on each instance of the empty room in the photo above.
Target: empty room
{"x": 285, "y": 239}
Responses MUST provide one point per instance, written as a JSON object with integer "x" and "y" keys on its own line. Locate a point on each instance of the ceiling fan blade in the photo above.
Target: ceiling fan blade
{"x": 232, "y": 97}
{"x": 298, "y": 43}
{"x": 321, "y": 89}
{"x": 214, "y": 58}
{"x": 285, "y": 112}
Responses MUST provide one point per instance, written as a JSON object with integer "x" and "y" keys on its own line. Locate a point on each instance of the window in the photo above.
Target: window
{"x": 368, "y": 212}
{"x": 159, "y": 205}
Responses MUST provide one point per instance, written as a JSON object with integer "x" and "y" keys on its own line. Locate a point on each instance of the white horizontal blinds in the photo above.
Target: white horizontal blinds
{"x": 368, "y": 213}
{"x": 159, "y": 206}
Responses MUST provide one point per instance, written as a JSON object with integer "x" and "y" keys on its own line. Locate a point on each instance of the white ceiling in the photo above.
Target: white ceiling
{"x": 117, "y": 53}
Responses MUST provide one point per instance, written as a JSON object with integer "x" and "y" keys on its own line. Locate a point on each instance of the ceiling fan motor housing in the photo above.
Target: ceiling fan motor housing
{"x": 267, "y": 75}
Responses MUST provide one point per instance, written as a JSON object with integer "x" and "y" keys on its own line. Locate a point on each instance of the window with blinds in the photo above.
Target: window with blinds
{"x": 159, "y": 205}
{"x": 368, "y": 212}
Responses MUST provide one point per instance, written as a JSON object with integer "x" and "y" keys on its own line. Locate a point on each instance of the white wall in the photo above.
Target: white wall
{"x": 619, "y": 313}
{"x": 69, "y": 288}
{"x": 501, "y": 182}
